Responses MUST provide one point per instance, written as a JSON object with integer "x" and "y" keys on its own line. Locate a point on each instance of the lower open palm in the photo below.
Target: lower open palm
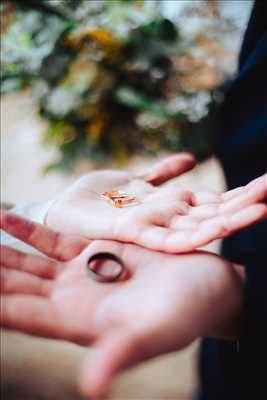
{"x": 162, "y": 304}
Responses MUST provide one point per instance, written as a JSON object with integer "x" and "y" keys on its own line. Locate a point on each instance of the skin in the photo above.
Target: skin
{"x": 124, "y": 321}
{"x": 167, "y": 218}
{"x": 161, "y": 304}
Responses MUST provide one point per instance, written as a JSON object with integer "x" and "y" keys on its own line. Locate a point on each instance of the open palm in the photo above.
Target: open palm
{"x": 163, "y": 304}
{"x": 167, "y": 218}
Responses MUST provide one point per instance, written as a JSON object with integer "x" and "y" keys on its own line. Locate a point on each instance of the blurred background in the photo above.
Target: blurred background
{"x": 108, "y": 84}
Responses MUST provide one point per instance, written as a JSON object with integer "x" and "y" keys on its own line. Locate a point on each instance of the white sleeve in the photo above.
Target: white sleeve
{"x": 34, "y": 212}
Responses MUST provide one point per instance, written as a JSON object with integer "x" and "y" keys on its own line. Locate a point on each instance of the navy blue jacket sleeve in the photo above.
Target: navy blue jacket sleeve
{"x": 242, "y": 149}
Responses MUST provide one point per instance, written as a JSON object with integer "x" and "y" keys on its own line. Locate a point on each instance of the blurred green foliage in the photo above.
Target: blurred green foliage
{"x": 112, "y": 78}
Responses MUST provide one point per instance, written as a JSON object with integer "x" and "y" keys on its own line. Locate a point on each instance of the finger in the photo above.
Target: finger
{"x": 194, "y": 217}
{"x": 210, "y": 205}
{"x": 230, "y": 194}
{"x": 183, "y": 222}
{"x": 169, "y": 168}
{"x": 164, "y": 239}
{"x": 240, "y": 220}
{"x": 204, "y": 198}
{"x": 31, "y": 263}
{"x": 258, "y": 186}
{"x": 112, "y": 354}
{"x": 29, "y": 314}
{"x": 18, "y": 282}
{"x": 204, "y": 211}
{"x": 216, "y": 228}
{"x": 55, "y": 245}
{"x": 186, "y": 241}
{"x": 254, "y": 192}
{"x": 260, "y": 181}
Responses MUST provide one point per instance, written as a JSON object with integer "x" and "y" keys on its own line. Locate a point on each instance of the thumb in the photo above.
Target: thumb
{"x": 169, "y": 168}
{"x": 112, "y": 354}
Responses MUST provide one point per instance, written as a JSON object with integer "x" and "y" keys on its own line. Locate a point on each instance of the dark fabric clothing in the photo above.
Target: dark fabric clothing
{"x": 227, "y": 370}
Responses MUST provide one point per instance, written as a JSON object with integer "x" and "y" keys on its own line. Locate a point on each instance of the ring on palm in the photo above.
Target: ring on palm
{"x": 102, "y": 271}
{"x": 120, "y": 199}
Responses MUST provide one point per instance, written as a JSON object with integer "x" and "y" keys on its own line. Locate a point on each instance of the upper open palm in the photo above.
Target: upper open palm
{"x": 167, "y": 218}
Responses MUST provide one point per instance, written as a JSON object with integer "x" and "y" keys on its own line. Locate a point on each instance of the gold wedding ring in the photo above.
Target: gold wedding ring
{"x": 119, "y": 199}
